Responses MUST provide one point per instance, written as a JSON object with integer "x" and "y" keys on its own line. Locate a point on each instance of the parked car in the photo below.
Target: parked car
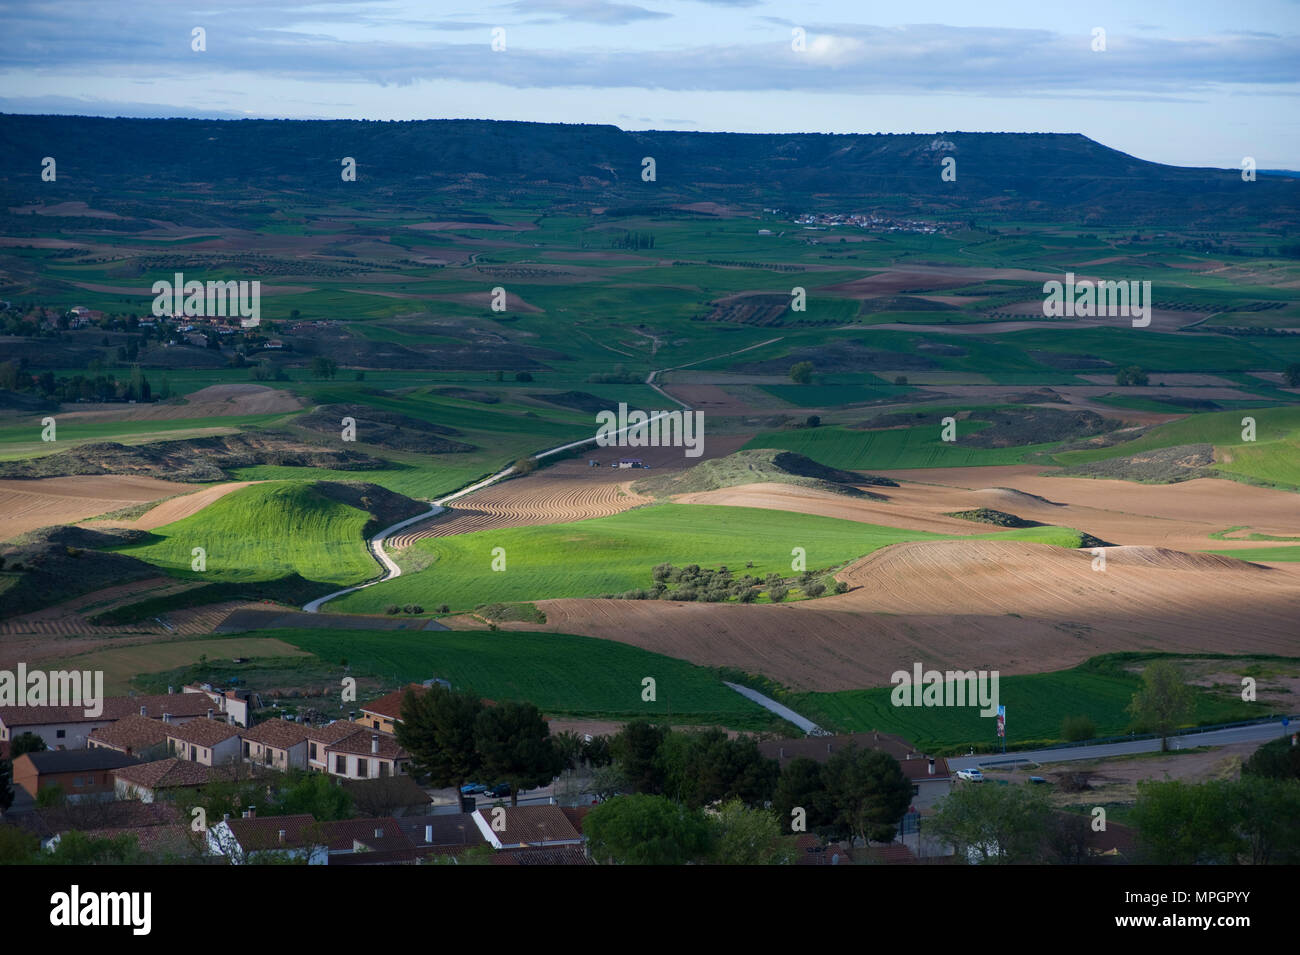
{"x": 499, "y": 790}
{"x": 1037, "y": 780}
{"x": 471, "y": 789}
{"x": 973, "y": 775}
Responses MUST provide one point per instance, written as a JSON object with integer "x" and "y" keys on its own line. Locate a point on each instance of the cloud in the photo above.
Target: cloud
{"x": 589, "y": 11}
{"x": 289, "y": 41}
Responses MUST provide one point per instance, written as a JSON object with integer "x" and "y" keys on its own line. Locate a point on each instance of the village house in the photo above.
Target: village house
{"x": 520, "y": 827}
{"x": 232, "y": 703}
{"x": 276, "y": 743}
{"x": 365, "y": 754}
{"x": 133, "y": 735}
{"x": 205, "y": 741}
{"x": 79, "y": 773}
{"x": 297, "y": 837}
{"x": 68, "y": 727}
{"x": 386, "y": 712}
{"x": 149, "y": 781}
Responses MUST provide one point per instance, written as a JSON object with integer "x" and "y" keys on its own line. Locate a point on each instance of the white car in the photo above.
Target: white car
{"x": 974, "y": 775}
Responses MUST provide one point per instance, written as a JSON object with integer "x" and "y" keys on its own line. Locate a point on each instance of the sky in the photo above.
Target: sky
{"x": 1188, "y": 82}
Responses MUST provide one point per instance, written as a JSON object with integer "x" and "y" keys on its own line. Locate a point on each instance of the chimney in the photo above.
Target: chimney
{"x": 225, "y": 817}
{"x": 931, "y": 765}
{"x": 828, "y": 747}
{"x": 144, "y": 711}
{"x": 244, "y": 814}
{"x": 210, "y": 712}
{"x": 374, "y": 742}
{"x": 428, "y": 834}
{"x": 782, "y": 752}
{"x": 379, "y": 833}
{"x": 167, "y": 717}
{"x": 171, "y": 689}
{"x": 352, "y": 714}
{"x": 281, "y": 837}
{"x": 252, "y": 812}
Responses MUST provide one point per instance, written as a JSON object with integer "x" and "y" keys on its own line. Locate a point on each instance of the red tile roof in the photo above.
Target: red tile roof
{"x": 377, "y": 835}
{"x": 531, "y": 825}
{"x": 278, "y": 733}
{"x": 202, "y": 732}
{"x": 165, "y": 773}
{"x": 263, "y": 832}
{"x": 361, "y": 742}
{"x": 131, "y": 733}
{"x": 390, "y": 706}
{"x": 114, "y": 708}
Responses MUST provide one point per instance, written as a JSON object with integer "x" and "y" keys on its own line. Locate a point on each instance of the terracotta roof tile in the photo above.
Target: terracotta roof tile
{"x": 131, "y": 733}
{"x": 276, "y": 732}
{"x": 532, "y": 825}
{"x": 263, "y": 832}
{"x": 202, "y": 732}
{"x": 360, "y": 744}
{"x": 165, "y": 773}
{"x": 390, "y": 706}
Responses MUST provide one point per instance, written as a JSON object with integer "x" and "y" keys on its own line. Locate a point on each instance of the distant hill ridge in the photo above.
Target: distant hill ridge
{"x": 1037, "y": 174}
{"x": 762, "y": 466}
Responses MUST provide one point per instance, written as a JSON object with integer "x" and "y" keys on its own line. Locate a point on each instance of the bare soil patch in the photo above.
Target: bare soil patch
{"x": 1022, "y": 608}
{"x": 28, "y": 504}
{"x": 211, "y": 402}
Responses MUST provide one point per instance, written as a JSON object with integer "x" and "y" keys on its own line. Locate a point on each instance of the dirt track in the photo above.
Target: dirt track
{"x": 566, "y": 491}
{"x": 27, "y": 505}
{"x": 1009, "y": 606}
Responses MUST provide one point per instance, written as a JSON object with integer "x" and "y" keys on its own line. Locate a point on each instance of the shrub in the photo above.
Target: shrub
{"x": 813, "y": 421}
{"x": 1075, "y": 728}
{"x": 523, "y": 376}
{"x": 636, "y": 594}
{"x": 443, "y": 608}
{"x": 777, "y": 594}
{"x": 841, "y": 587}
{"x": 1131, "y": 375}
{"x": 392, "y": 608}
{"x": 900, "y": 380}
{"x": 815, "y": 589}
{"x": 749, "y": 595}
{"x": 801, "y": 372}
{"x": 409, "y": 608}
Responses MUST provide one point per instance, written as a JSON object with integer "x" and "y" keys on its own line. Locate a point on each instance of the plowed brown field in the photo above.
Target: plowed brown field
{"x": 1178, "y": 516}
{"x": 525, "y": 502}
{"x": 177, "y": 508}
{"x": 1003, "y": 605}
{"x": 27, "y": 505}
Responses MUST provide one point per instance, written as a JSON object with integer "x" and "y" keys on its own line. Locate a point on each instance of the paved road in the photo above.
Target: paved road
{"x": 376, "y": 545}
{"x": 1261, "y": 732}
{"x": 805, "y": 724}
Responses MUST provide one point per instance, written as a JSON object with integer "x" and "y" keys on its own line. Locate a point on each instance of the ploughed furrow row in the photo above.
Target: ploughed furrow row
{"x": 525, "y": 502}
